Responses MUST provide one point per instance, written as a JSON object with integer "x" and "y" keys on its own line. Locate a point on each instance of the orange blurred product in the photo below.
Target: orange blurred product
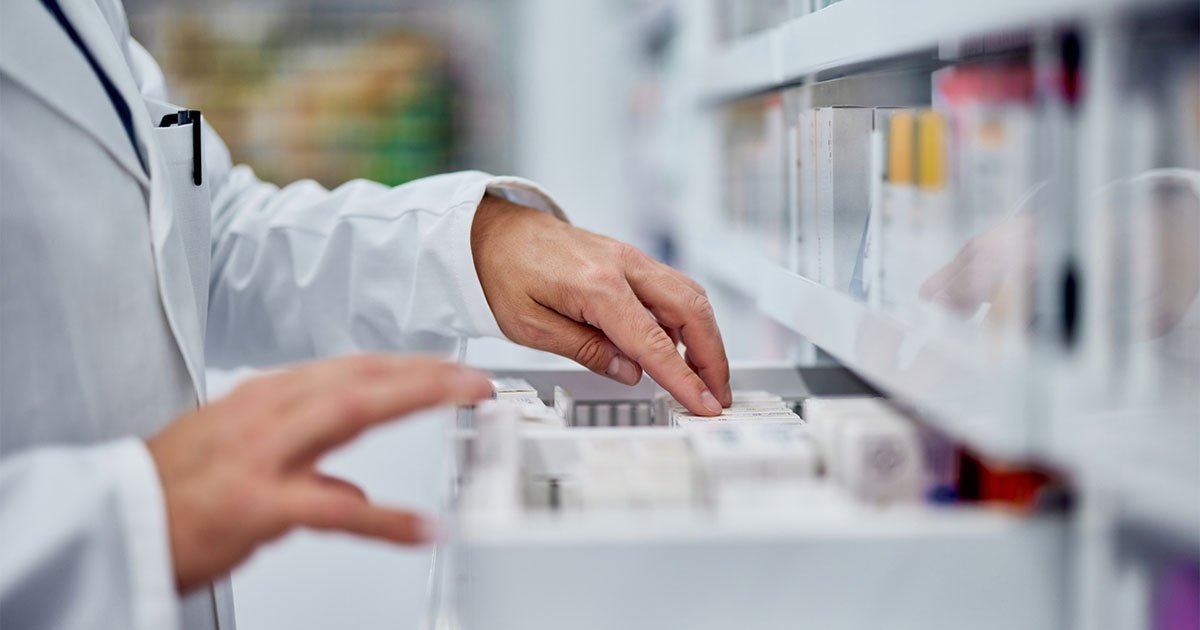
{"x": 931, "y": 151}
{"x": 1013, "y": 487}
{"x": 1023, "y": 489}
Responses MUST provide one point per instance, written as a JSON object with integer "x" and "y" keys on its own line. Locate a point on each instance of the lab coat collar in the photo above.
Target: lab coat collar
{"x": 31, "y": 55}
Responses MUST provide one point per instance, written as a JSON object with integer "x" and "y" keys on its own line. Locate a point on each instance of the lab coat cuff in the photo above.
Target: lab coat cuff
{"x": 155, "y": 603}
{"x": 525, "y": 193}
{"x": 481, "y": 319}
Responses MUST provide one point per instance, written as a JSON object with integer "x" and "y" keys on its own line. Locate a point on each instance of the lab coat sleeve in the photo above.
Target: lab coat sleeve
{"x": 85, "y": 525}
{"x": 301, "y": 271}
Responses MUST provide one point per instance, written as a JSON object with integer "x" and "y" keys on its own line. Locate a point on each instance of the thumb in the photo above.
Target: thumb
{"x": 589, "y": 347}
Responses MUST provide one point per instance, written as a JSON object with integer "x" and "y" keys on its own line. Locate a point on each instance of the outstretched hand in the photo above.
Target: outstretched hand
{"x": 242, "y": 470}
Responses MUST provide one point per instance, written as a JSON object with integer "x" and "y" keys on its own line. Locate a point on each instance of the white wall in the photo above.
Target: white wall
{"x": 571, "y": 64}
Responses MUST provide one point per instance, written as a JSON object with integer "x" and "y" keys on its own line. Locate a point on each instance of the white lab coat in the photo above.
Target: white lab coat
{"x": 118, "y": 287}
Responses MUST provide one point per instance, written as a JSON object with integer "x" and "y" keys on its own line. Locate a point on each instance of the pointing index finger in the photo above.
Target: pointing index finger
{"x": 629, "y": 325}
{"x": 678, "y": 306}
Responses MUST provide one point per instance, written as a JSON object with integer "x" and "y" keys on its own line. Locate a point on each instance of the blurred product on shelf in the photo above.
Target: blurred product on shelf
{"x": 755, "y": 182}
{"x": 493, "y": 490}
{"x": 868, "y": 448}
{"x": 995, "y": 483}
{"x": 942, "y": 214}
{"x": 1177, "y": 597}
{"x": 941, "y": 466}
{"x": 842, "y": 190}
{"x": 759, "y": 454}
{"x": 755, "y": 465}
{"x": 990, "y": 113}
{"x": 894, "y": 176}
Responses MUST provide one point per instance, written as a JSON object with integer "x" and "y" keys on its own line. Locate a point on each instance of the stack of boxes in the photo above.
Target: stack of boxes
{"x": 758, "y": 453}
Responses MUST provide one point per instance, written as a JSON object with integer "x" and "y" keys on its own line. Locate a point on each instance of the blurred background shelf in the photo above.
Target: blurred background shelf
{"x": 734, "y": 261}
{"x": 854, "y": 32}
{"x": 953, "y": 381}
{"x": 747, "y": 65}
{"x": 1146, "y": 463}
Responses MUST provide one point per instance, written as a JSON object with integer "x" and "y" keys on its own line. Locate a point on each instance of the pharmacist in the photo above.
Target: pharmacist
{"x": 133, "y": 255}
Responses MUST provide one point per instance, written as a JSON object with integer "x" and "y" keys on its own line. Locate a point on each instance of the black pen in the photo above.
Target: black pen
{"x": 189, "y": 117}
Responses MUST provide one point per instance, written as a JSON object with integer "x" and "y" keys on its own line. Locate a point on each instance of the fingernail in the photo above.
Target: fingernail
{"x": 710, "y": 402}
{"x": 622, "y": 370}
{"x": 729, "y": 393}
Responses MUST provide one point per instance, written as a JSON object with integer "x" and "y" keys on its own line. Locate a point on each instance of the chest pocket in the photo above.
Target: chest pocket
{"x": 191, "y": 204}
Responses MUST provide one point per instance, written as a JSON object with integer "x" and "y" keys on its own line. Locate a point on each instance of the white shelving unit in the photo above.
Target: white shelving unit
{"x": 969, "y": 396}
{"x": 1131, "y": 467}
{"x": 862, "y": 31}
{"x": 664, "y": 571}
{"x": 918, "y": 566}
{"x": 1146, "y": 460}
{"x": 956, "y": 377}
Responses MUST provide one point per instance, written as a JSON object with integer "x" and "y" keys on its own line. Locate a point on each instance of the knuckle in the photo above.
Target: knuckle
{"x": 655, "y": 341}
{"x": 531, "y": 332}
{"x": 627, "y": 255}
{"x": 603, "y": 278}
{"x": 593, "y": 352}
{"x": 701, "y": 308}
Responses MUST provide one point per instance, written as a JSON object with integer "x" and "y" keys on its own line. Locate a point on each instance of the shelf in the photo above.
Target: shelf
{"x": 747, "y": 65}
{"x": 970, "y": 396}
{"x": 966, "y": 390}
{"x": 840, "y": 517}
{"x": 860, "y": 31}
{"x": 634, "y": 571}
{"x": 1144, "y": 459}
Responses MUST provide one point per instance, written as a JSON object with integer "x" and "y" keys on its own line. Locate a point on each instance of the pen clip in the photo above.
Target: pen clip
{"x": 189, "y": 117}
{"x": 193, "y": 117}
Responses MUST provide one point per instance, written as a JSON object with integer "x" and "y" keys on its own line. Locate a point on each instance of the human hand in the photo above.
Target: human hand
{"x": 241, "y": 471}
{"x": 996, "y": 266}
{"x": 556, "y": 287}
